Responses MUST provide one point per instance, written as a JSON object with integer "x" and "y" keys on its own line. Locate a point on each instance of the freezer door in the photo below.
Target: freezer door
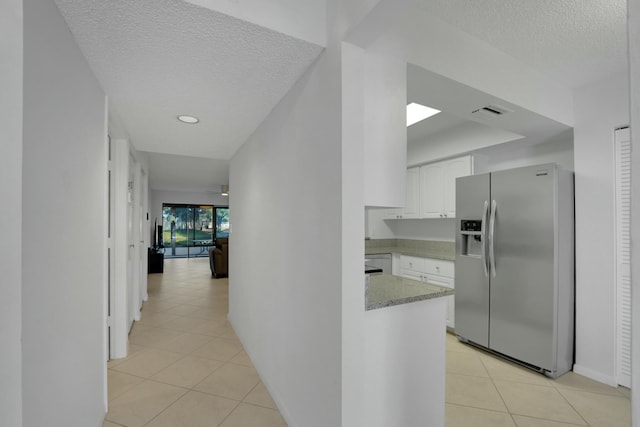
{"x": 472, "y": 280}
{"x": 523, "y": 281}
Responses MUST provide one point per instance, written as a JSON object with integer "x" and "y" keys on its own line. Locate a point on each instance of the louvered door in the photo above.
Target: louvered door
{"x": 623, "y": 254}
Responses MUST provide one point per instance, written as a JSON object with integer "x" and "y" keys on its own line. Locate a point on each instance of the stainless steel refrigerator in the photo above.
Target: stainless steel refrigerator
{"x": 514, "y": 289}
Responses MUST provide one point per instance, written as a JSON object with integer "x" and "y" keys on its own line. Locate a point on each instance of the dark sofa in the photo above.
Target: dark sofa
{"x": 219, "y": 258}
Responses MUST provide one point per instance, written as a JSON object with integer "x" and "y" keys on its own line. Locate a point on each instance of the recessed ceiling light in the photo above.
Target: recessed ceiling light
{"x": 188, "y": 119}
{"x": 417, "y": 112}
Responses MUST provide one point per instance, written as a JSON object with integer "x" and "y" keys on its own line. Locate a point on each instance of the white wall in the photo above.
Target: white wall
{"x": 558, "y": 150}
{"x": 352, "y": 169}
{"x": 63, "y": 229}
{"x": 285, "y": 260}
{"x": 634, "y": 70}
{"x": 385, "y": 132}
{"x": 11, "y": 196}
{"x": 467, "y": 137}
{"x": 424, "y": 229}
{"x": 599, "y": 109}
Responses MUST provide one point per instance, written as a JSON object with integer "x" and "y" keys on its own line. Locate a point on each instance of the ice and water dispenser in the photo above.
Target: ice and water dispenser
{"x": 471, "y": 238}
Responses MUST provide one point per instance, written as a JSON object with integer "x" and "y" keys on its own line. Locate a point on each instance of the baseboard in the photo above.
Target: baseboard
{"x": 595, "y": 375}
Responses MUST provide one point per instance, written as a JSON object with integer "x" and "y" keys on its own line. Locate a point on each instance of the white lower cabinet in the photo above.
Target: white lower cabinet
{"x": 446, "y": 282}
{"x": 435, "y": 271}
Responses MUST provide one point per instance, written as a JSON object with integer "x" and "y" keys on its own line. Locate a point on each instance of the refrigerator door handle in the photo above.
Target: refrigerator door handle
{"x": 492, "y": 227}
{"x": 483, "y": 235}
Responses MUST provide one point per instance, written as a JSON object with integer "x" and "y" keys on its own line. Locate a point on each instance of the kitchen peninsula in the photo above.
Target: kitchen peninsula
{"x": 385, "y": 290}
{"x": 405, "y": 338}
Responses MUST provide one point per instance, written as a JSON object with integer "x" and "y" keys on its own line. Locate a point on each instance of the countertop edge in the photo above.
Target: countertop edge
{"x": 408, "y": 252}
{"x": 429, "y": 294}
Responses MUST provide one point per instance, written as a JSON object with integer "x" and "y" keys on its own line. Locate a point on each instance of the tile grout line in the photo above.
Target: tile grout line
{"x": 225, "y": 337}
{"x": 497, "y": 389}
{"x": 546, "y": 419}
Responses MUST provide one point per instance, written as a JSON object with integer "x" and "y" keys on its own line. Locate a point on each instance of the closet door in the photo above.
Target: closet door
{"x": 623, "y": 255}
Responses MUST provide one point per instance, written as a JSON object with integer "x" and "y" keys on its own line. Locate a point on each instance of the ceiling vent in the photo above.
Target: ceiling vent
{"x": 491, "y": 111}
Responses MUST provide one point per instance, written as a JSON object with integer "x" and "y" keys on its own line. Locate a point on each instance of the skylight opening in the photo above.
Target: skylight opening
{"x": 416, "y": 113}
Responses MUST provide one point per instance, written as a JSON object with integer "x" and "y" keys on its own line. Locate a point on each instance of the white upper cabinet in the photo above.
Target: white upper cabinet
{"x": 392, "y": 213}
{"x": 411, "y": 207}
{"x": 438, "y": 186}
{"x": 412, "y": 199}
{"x": 431, "y": 190}
{"x": 453, "y": 169}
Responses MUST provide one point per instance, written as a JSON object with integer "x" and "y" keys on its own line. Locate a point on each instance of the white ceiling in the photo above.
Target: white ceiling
{"x": 162, "y": 58}
{"x": 573, "y": 41}
{"x": 158, "y": 59}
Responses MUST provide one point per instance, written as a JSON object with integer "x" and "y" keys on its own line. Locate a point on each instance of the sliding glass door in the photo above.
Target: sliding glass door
{"x": 187, "y": 230}
{"x": 222, "y": 222}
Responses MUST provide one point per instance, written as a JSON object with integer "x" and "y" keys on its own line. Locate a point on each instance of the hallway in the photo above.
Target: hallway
{"x": 186, "y": 367}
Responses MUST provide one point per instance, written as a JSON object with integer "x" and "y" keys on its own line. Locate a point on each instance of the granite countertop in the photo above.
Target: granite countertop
{"x": 385, "y": 290}
{"x": 420, "y": 248}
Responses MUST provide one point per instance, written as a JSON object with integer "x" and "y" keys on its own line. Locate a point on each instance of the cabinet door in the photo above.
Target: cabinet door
{"x": 453, "y": 169}
{"x": 439, "y": 267}
{"x": 412, "y": 199}
{"x": 391, "y": 213}
{"x": 447, "y": 283}
{"x": 431, "y": 191}
{"x": 413, "y": 263}
{"x": 408, "y": 274}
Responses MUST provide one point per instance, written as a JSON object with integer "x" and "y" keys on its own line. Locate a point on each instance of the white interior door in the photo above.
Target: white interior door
{"x": 119, "y": 289}
{"x": 623, "y": 255}
{"x": 131, "y": 246}
{"x": 143, "y": 235}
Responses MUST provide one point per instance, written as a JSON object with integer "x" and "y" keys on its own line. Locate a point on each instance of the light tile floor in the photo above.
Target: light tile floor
{"x": 484, "y": 390}
{"x": 187, "y": 368}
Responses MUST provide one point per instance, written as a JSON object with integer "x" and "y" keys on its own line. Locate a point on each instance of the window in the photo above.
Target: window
{"x": 222, "y": 222}
{"x": 189, "y": 230}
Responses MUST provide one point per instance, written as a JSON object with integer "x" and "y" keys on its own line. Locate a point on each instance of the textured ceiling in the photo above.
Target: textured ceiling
{"x": 182, "y": 173}
{"x": 572, "y": 41}
{"x": 158, "y": 59}
{"x": 162, "y": 58}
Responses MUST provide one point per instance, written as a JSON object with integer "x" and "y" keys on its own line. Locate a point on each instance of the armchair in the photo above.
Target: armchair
{"x": 219, "y": 258}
